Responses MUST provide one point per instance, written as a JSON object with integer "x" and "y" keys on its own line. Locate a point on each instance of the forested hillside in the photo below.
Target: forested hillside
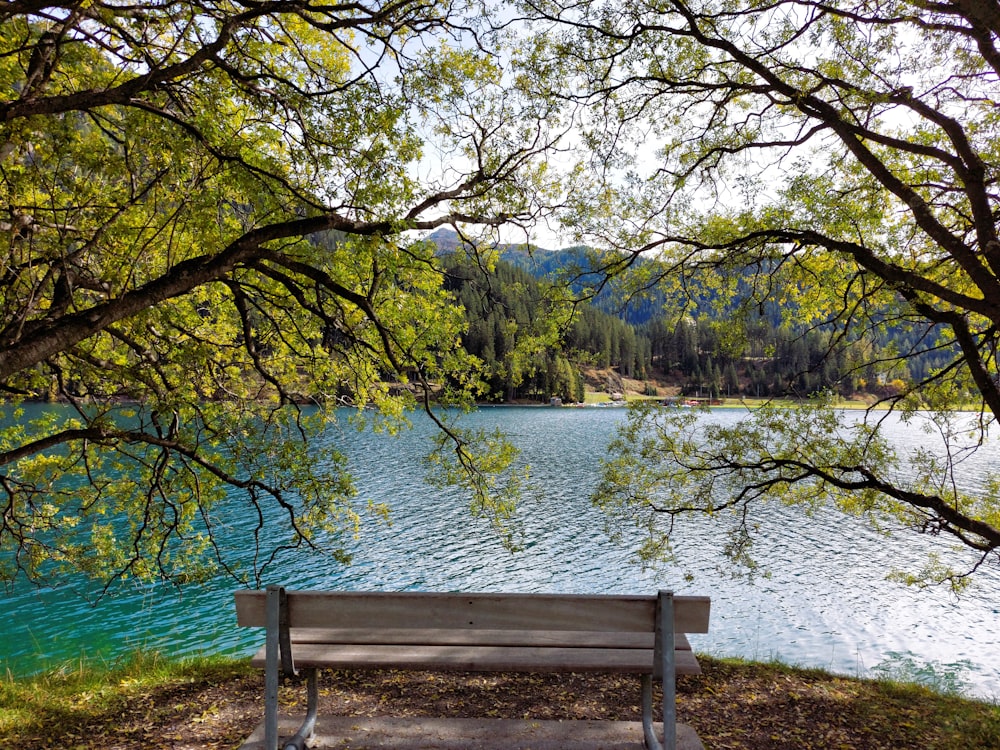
{"x": 705, "y": 353}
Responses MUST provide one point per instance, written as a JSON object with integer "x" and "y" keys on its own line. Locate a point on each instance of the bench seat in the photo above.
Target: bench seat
{"x": 479, "y": 632}
{"x": 482, "y": 651}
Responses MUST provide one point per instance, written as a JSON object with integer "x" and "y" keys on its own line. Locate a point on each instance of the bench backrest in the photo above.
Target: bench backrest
{"x": 477, "y": 611}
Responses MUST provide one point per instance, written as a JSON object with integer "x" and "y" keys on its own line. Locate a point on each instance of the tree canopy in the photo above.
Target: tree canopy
{"x": 207, "y": 216}
{"x": 837, "y": 160}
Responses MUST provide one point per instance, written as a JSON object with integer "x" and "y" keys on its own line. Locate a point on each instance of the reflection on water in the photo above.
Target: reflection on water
{"x": 825, "y": 604}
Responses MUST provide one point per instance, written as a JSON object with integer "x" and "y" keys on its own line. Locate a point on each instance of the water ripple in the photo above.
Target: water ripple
{"x": 826, "y": 602}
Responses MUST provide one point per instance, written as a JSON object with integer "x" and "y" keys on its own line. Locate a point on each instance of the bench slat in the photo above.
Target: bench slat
{"x": 403, "y": 636}
{"x": 482, "y": 658}
{"x": 427, "y": 610}
{"x": 425, "y": 631}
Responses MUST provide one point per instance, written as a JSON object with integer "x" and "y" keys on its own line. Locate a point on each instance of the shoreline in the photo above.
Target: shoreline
{"x": 734, "y": 705}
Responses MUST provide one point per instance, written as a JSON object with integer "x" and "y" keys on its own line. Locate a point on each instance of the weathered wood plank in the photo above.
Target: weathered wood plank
{"x": 553, "y": 638}
{"x": 425, "y": 631}
{"x": 482, "y": 658}
{"x": 453, "y": 611}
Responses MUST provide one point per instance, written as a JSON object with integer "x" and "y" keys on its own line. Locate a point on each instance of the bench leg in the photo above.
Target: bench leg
{"x": 271, "y": 667}
{"x": 668, "y": 666}
{"x": 277, "y": 656}
{"x": 298, "y": 742}
{"x": 648, "y": 732}
{"x": 664, "y": 666}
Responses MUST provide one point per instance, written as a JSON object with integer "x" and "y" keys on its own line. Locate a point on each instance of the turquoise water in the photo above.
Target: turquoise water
{"x": 826, "y": 602}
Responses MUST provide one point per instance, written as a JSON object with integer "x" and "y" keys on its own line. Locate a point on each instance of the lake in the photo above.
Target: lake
{"x": 826, "y": 602}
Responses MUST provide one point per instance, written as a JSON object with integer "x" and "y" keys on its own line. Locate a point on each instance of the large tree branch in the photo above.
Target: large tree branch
{"x": 63, "y": 333}
{"x": 131, "y": 89}
{"x": 391, "y": 17}
{"x": 772, "y": 471}
{"x": 852, "y": 136}
{"x": 898, "y": 276}
{"x": 53, "y": 336}
{"x": 942, "y": 513}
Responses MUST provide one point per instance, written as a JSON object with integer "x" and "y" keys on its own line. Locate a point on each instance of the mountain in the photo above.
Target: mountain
{"x": 577, "y": 265}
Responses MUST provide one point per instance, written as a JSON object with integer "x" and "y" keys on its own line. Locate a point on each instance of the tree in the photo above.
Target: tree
{"x": 207, "y": 221}
{"x": 835, "y": 161}
{"x": 524, "y": 359}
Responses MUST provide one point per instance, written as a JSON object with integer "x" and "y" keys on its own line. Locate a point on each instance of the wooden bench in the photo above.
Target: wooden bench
{"x": 473, "y": 632}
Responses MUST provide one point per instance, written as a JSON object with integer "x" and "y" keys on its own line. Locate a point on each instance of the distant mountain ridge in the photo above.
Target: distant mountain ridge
{"x": 715, "y": 349}
{"x": 575, "y": 263}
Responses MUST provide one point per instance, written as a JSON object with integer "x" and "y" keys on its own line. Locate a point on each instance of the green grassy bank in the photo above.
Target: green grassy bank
{"x": 151, "y": 702}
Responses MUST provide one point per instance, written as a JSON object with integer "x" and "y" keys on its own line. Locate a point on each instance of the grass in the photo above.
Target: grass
{"x": 60, "y": 707}
{"x": 807, "y": 707}
{"x": 152, "y": 702}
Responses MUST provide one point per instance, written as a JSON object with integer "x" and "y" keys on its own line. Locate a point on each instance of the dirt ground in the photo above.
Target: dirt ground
{"x": 730, "y": 706}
